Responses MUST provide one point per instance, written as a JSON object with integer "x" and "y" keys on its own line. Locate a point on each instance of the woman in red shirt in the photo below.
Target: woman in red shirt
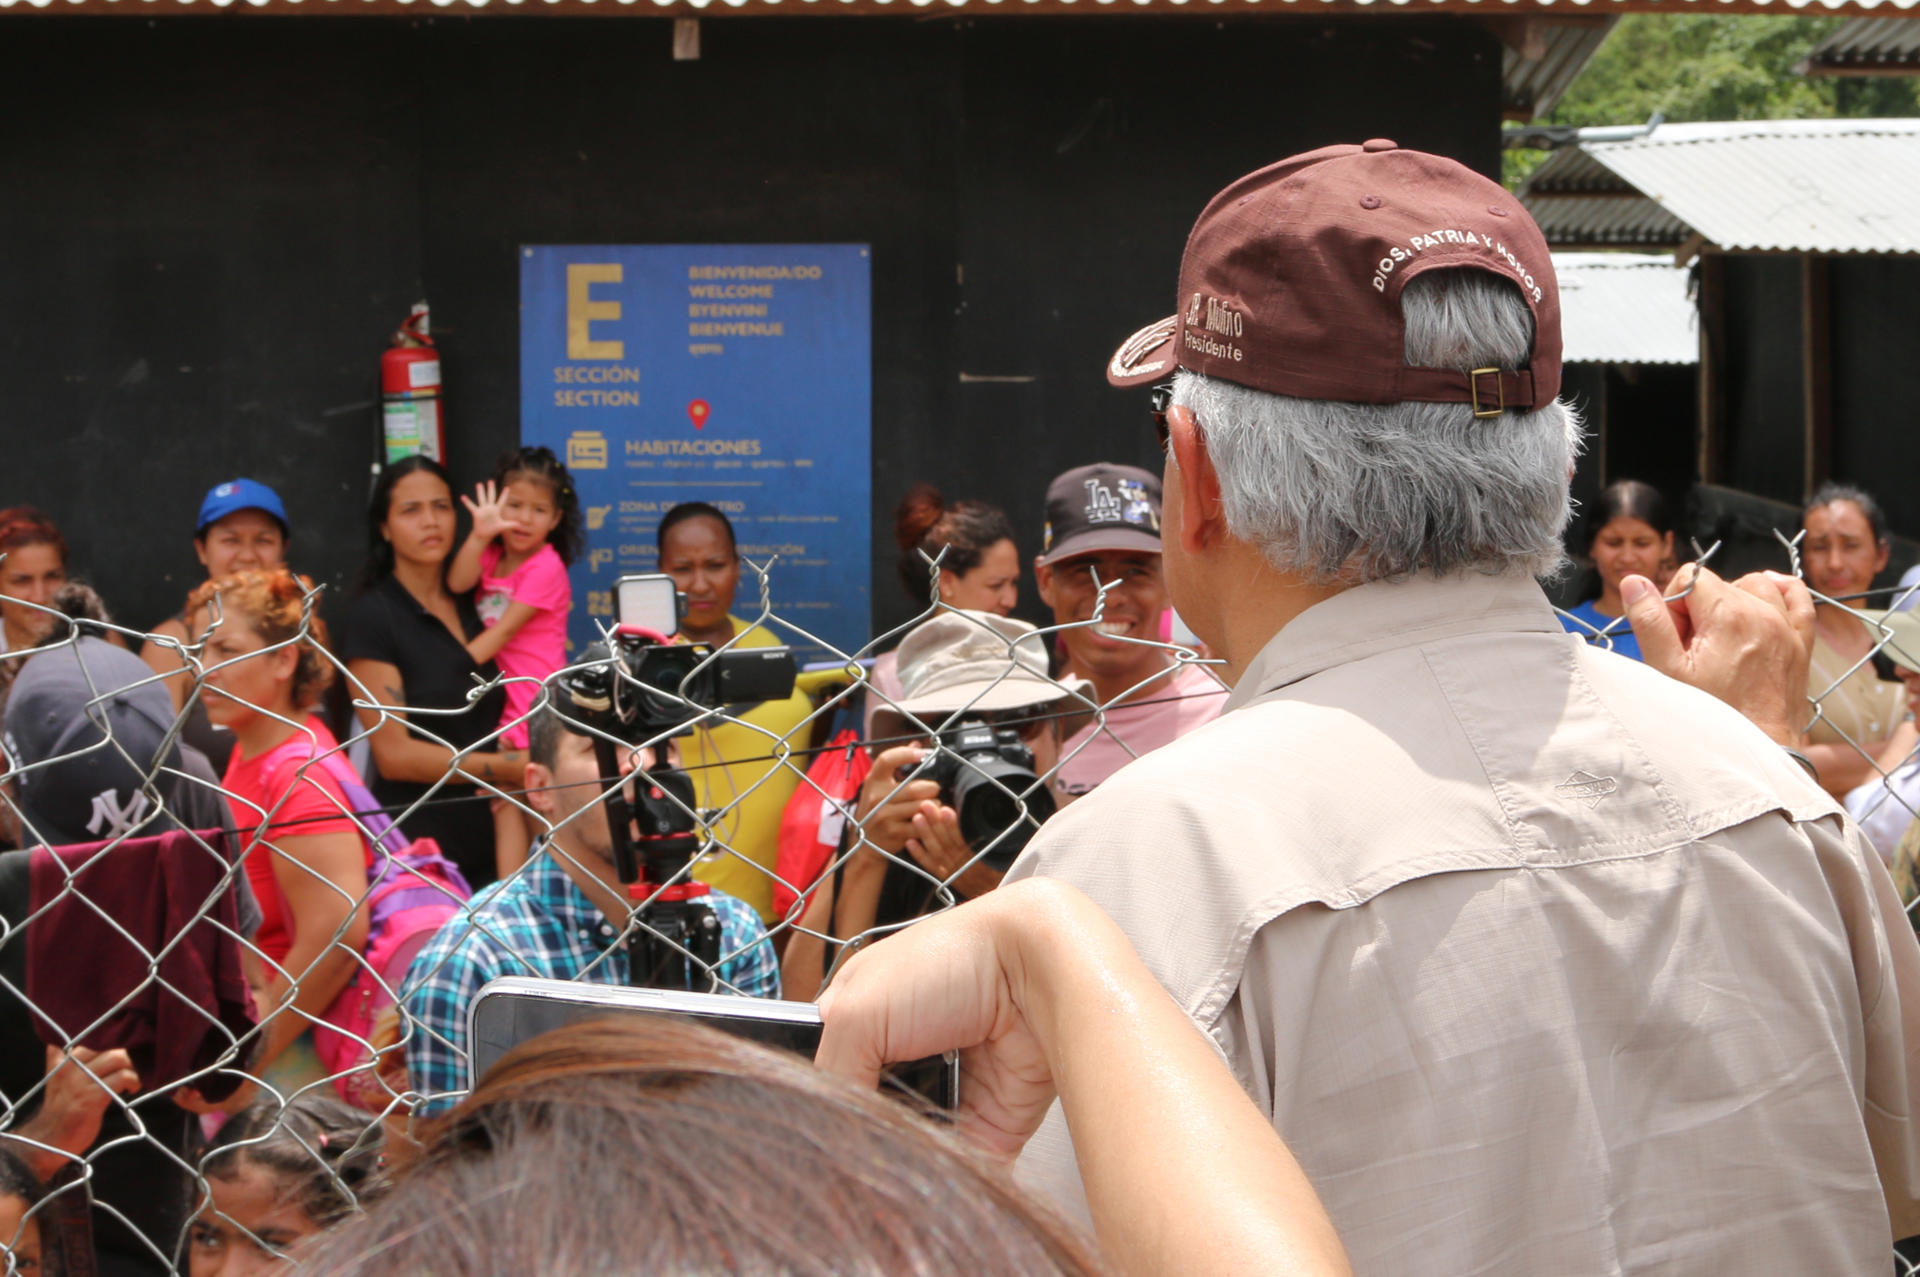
{"x": 307, "y": 859}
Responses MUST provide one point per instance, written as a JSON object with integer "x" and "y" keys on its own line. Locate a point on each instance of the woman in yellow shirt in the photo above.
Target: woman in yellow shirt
{"x": 737, "y": 766}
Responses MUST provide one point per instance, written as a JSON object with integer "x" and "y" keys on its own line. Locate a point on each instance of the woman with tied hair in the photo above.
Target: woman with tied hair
{"x": 1629, "y": 533}
{"x": 980, "y": 571}
{"x": 306, "y": 858}
{"x": 1846, "y": 544}
{"x": 684, "y": 1151}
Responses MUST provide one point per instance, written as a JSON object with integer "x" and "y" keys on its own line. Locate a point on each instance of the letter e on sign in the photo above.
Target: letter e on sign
{"x": 582, "y": 310}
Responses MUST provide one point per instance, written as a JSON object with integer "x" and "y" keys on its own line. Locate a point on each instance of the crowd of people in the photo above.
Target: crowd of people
{"x": 1302, "y": 894}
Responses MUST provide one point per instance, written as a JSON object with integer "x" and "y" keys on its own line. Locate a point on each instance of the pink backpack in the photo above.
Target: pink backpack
{"x": 412, "y": 891}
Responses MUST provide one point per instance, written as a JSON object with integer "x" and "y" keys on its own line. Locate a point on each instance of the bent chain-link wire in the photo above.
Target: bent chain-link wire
{"x": 748, "y": 761}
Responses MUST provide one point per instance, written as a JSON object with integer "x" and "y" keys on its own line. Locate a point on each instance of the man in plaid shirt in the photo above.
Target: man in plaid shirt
{"x": 560, "y": 917}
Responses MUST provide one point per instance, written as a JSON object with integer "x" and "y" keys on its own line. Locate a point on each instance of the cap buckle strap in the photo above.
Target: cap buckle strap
{"x": 1499, "y": 392}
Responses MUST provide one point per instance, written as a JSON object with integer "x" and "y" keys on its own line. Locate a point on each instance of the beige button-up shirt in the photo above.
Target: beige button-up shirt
{"x": 1541, "y": 961}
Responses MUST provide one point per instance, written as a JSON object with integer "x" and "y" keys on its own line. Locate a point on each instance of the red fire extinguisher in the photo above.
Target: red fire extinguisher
{"x": 410, "y": 392}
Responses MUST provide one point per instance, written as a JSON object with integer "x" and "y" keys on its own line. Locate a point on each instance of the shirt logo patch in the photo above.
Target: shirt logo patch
{"x": 1587, "y": 788}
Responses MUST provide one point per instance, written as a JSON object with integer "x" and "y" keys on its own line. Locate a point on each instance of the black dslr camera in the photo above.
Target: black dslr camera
{"x": 976, "y": 765}
{"x": 645, "y": 689}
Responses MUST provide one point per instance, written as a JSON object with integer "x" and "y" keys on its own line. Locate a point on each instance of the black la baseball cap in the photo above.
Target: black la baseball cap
{"x": 1101, "y": 507}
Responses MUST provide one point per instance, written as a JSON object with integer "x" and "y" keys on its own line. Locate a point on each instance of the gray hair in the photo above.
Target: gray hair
{"x": 1352, "y": 492}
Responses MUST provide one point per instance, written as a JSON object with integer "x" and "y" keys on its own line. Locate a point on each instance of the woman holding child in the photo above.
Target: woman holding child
{"x": 406, "y": 648}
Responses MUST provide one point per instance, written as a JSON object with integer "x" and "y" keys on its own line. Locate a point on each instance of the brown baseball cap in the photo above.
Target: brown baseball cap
{"x": 1101, "y": 507}
{"x": 1291, "y": 282}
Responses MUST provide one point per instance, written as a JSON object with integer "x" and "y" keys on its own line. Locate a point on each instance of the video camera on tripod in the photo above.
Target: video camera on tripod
{"x": 641, "y": 689}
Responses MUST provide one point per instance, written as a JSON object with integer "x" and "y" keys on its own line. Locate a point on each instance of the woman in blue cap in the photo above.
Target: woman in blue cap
{"x": 242, "y": 528}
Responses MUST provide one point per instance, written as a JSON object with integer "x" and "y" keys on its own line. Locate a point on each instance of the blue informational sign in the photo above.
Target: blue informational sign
{"x": 736, "y": 374}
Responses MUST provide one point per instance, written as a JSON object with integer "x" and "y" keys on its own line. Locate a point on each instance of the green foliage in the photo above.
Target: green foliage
{"x": 1697, "y": 66}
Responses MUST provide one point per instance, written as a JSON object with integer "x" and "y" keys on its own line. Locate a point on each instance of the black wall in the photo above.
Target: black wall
{"x": 211, "y": 225}
{"x": 1874, "y": 380}
{"x": 1764, "y": 440}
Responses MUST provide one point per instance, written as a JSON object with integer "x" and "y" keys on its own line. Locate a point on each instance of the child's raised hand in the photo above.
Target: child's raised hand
{"x": 488, "y": 508}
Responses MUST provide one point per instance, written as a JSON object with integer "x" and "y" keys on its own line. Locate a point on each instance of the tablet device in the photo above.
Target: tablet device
{"x": 509, "y": 1010}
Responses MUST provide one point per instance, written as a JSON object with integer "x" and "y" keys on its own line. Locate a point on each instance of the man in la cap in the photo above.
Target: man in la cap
{"x": 1099, "y": 570}
{"x": 1540, "y": 961}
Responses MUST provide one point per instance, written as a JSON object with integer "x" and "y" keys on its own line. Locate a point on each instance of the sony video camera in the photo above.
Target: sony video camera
{"x": 653, "y": 688}
{"x": 985, "y": 772}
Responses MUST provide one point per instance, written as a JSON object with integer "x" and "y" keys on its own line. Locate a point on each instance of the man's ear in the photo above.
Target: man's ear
{"x": 539, "y": 787}
{"x": 1202, "y": 521}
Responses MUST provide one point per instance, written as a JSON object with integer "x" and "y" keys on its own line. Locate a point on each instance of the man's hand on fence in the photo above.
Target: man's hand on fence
{"x": 81, "y": 1083}
{"x": 1748, "y": 643}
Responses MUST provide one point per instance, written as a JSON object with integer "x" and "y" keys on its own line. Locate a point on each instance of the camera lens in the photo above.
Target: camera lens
{"x": 987, "y": 809}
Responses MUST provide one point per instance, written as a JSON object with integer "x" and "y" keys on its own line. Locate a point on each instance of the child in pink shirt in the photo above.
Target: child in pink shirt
{"x": 526, "y": 530}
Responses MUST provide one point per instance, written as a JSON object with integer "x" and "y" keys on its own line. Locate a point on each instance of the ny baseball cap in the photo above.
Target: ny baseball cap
{"x": 1292, "y": 276}
{"x": 236, "y": 495}
{"x": 966, "y": 660}
{"x": 98, "y": 721}
{"x": 1101, "y": 507}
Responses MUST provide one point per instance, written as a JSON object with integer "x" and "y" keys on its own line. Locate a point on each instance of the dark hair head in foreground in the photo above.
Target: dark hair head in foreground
{"x": 665, "y": 1148}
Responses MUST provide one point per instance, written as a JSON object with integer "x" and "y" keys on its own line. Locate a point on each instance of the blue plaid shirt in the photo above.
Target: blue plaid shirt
{"x": 539, "y": 923}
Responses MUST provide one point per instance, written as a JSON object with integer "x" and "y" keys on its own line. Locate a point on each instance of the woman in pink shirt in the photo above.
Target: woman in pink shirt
{"x": 526, "y": 530}
{"x": 306, "y": 856}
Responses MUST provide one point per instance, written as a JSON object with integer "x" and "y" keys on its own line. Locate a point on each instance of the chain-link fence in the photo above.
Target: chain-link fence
{"x": 268, "y": 969}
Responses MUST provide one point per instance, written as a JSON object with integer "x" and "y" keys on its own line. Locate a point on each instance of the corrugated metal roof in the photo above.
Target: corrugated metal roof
{"x": 1579, "y": 221}
{"x": 1814, "y": 186}
{"x": 1533, "y": 78}
{"x": 1625, "y": 308}
{"x": 1867, "y": 46}
{"x": 923, "y": 8}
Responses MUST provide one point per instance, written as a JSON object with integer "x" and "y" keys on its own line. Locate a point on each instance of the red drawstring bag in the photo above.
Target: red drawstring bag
{"x": 810, "y": 826}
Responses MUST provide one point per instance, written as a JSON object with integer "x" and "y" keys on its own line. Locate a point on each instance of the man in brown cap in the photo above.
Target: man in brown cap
{"x": 1540, "y": 961}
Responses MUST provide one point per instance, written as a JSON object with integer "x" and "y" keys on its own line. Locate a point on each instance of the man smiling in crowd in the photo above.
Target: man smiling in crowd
{"x": 1103, "y": 529}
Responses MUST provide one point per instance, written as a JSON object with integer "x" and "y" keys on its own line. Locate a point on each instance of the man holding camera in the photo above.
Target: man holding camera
{"x": 951, "y": 811}
{"x": 1099, "y": 570}
{"x": 1539, "y": 959}
{"x": 563, "y": 915}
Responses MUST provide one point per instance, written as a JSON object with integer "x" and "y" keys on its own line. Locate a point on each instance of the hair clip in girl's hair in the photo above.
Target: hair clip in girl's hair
{"x": 322, "y": 1139}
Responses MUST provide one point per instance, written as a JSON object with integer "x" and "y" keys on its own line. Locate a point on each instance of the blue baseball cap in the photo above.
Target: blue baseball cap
{"x": 236, "y": 495}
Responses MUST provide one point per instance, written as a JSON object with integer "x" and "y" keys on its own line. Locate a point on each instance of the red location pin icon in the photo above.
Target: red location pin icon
{"x": 697, "y": 413}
